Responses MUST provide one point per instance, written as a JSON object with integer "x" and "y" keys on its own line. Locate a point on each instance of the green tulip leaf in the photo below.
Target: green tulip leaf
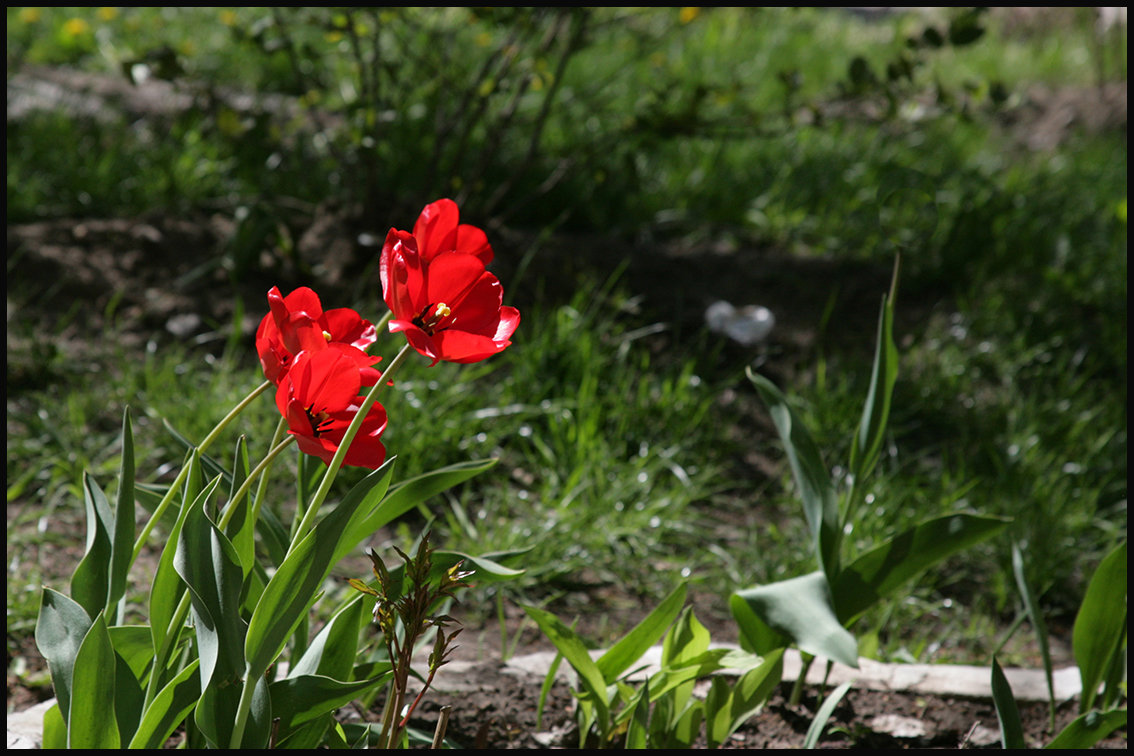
{"x": 1088, "y": 729}
{"x": 815, "y": 731}
{"x": 799, "y": 609}
{"x": 1100, "y": 625}
{"x": 646, "y": 633}
{"x": 302, "y": 698}
{"x": 816, "y": 490}
{"x": 208, "y": 564}
{"x": 405, "y": 496}
{"x": 1011, "y": 731}
{"x": 744, "y": 699}
{"x": 299, "y": 579}
{"x": 92, "y": 721}
{"x": 882, "y": 570}
{"x": 569, "y": 644}
{"x": 169, "y": 708}
{"x": 90, "y": 582}
{"x": 59, "y": 631}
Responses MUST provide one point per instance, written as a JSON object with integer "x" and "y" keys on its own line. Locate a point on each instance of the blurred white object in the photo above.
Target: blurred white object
{"x": 746, "y": 325}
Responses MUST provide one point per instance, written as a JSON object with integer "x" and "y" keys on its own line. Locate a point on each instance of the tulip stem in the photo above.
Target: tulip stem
{"x": 340, "y": 453}
{"x": 176, "y": 484}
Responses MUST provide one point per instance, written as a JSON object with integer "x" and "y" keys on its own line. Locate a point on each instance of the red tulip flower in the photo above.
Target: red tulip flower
{"x": 438, "y": 229}
{"x": 319, "y": 397}
{"x": 444, "y": 300}
{"x": 297, "y": 322}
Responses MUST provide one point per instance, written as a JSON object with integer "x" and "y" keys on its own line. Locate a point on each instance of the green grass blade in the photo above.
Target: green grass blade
{"x": 1011, "y": 731}
{"x": 1100, "y": 624}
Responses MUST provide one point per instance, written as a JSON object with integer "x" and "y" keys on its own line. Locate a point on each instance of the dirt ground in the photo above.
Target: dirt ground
{"x": 65, "y": 274}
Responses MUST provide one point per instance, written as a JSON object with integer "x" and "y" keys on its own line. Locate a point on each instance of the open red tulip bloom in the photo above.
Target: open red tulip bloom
{"x": 319, "y": 397}
{"x": 297, "y": 323}
{"x": 443, "y": 299}
{"x": 438, "y": 229}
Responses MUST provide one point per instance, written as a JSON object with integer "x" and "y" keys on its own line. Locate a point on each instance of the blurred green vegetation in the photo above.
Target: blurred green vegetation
{"x": 812, "y": 133}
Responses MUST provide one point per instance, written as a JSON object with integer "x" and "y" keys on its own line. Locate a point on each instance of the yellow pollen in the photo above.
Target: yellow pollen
{"x": 442, "y": 311}
{"x": 326, "y": 336}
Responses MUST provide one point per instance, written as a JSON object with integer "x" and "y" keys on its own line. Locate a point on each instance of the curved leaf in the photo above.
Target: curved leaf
{"x": 887, "y": 567}
{"x": 571, "y": 647}
{"x": 169, "y": 709}
{"x": 59, "y": 631}
{"x": 92, "y": 720}
{"x": 1011, "y": 731}
{"x": 816, "y": 490}
{"x": 300, "y": 699}
{"x": 1088, "y": 729}
{"x": 332, "y": 651}
{"x": 298, "y": 580}
{"x": 815, "y": 731}
{"x": 1101, "y": 623}
{"x": 800, "y": 608}
{"x": 208, "y": 564}
{"x": 407, "y": 495}
{"x": 876, "y": 410}
{"x": 646, "y": 633}
{"x": 743, "y": 700}
{"x": 90, "y": 582}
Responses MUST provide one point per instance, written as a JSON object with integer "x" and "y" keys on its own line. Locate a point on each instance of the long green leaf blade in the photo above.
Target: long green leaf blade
{"x": 407, "y": 495}
{"x": 1100, "y": 624}
{"x": 646, "y": 633}
{"x": 569, "y": 644}
{"x": 92, "y": 720}
{"x": 884, "y": 569}
{"x": 90, "y": 582}
{"x": 876, "y": 411}
{"x": 815, "y": 731}
{"x": 208, "y": 564}
{"x": 298, "y": 580}
{"x": 169, "y": 709}
{"x": 816, "y": 489}
{"x": 1011, "y": 731}
{"x": 1088, "y": 729}
{"x": 59, "y": 631}
{"x": 122, "y": 518}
